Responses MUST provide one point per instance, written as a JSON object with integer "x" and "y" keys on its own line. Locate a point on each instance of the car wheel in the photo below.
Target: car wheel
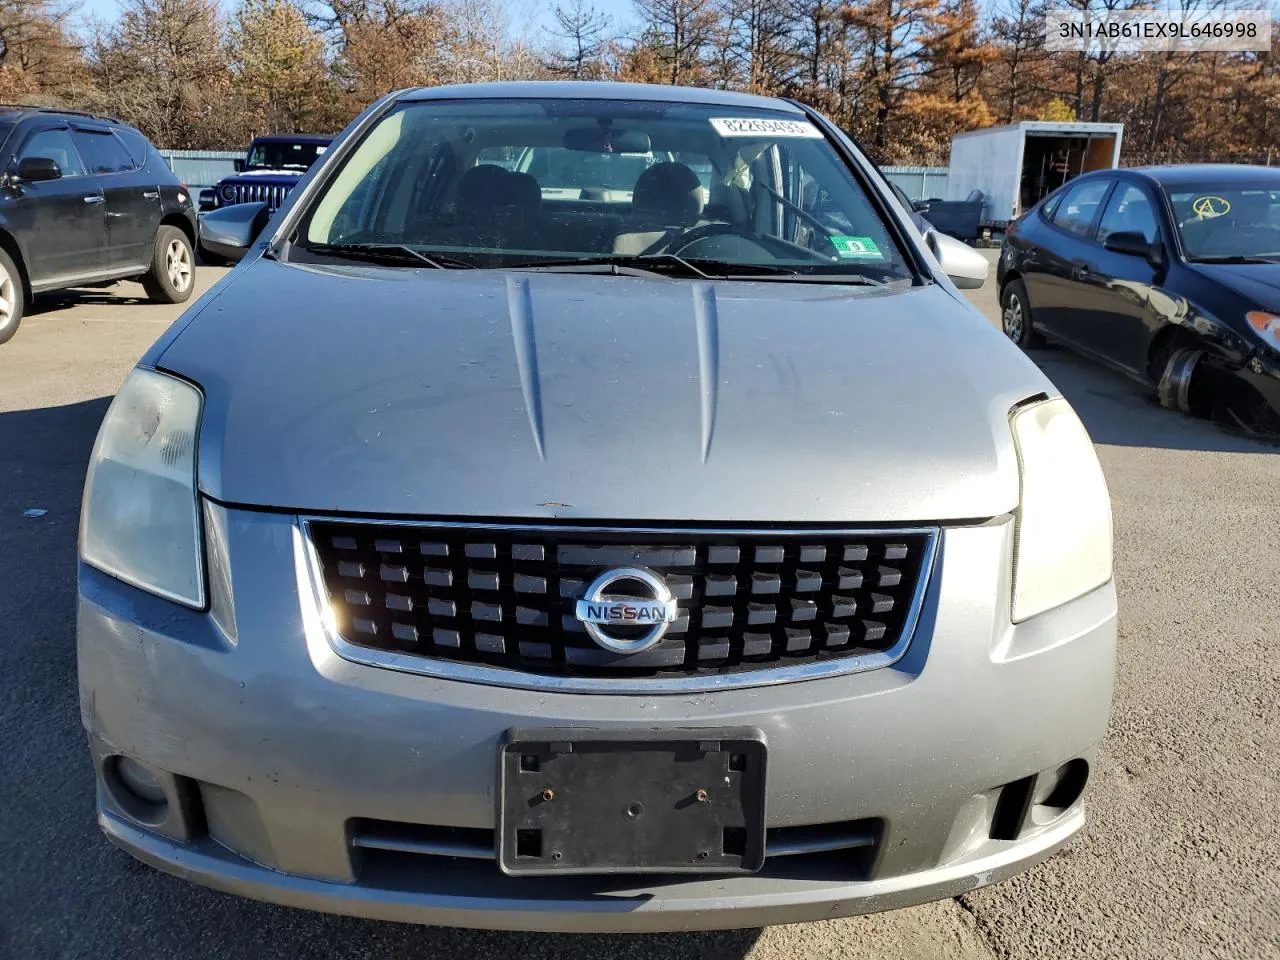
{"x": 1178, "y": 379}
{"x": 1015, "y": 315}
{"x": 173, "y": 267}
{"x": 11, "y": 302}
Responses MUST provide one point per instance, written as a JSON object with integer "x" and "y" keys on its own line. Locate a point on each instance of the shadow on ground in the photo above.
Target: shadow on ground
{"x": 115, "y": 295}
{"x": 66, "y": 891}
{"x": 1122, "y": 412}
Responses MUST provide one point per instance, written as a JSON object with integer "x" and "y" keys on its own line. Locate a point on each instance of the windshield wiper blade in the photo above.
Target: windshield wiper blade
{"x": 386, "y": 253}
{"x": 670, "y": 264}
{"x": 622, "y": 265}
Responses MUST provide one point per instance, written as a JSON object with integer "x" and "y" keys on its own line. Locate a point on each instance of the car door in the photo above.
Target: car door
{"x": 1121, "y": 319}
{"x": 132, "y": 204}
{"x": 1057, "y": 276}
{"x": 60, "y": 223}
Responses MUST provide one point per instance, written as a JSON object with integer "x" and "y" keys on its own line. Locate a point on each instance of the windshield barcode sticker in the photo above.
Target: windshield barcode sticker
{"x": 759, "y": 127}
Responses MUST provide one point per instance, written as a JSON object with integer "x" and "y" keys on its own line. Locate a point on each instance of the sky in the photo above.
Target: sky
{"x": 622, "y": 12}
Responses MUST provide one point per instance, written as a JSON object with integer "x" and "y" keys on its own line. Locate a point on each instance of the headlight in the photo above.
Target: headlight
{"x": 1062, "y": 538}
{"x": 139, "y": 521}
{"x": 1267, "y": 325}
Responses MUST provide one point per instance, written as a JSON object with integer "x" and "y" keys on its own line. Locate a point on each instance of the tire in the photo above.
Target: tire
{"x": 1180, "y": 383}
{"x": 173, "y": 267}
{"x": 1015, "y": 315}
{"x": 12, "y": 303}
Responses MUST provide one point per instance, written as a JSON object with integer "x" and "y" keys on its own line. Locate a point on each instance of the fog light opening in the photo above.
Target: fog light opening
{"x": 136, "y": 789}
{"x": 1057, "y": 791}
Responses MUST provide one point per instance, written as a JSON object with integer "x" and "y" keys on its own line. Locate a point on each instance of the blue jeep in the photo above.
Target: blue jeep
{"x": 269, "y": 170}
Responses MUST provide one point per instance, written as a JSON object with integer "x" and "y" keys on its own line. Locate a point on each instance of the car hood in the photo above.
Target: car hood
{"x": 1259, "y": 282}
{"x": 508, "y": 394}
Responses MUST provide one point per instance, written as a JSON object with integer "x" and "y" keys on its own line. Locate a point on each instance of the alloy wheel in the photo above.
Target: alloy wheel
{"x": 6, "y": 298}
{"x": 177, "y": 262}
{"x": 1013, "y": 318}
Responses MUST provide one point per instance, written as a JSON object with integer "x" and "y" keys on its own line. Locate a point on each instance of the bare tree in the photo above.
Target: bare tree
{"x": 678, "y": 32}
{"x": 584, "y": 32}
{"x": 163, "y": 67}
{"x": 1018, "y": 28}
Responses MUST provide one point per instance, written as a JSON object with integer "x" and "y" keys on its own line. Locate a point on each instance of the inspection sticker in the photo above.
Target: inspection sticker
{"x": 856, "y": 248}
{"x": 760, "y": 127}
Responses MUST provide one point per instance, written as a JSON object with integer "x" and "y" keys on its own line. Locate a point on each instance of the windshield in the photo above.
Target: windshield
{"x": 530, "y": 182}
{"x": 283, "y": 156}
{"x": 1239, "y": 222}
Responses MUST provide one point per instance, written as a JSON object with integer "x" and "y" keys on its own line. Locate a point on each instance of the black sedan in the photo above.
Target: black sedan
{"x": 1171, "y": 274}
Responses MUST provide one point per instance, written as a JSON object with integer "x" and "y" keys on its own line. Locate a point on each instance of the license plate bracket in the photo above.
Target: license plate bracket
{"x": 579, "y": 801}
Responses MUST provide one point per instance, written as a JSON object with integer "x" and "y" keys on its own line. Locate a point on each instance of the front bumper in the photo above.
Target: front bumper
{"x": 274, "y": 752}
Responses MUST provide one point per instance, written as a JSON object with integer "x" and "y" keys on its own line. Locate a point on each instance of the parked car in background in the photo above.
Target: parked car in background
{"x": 1171, "y": 274}
{"x": 84, "y": 200}
{"x": 559, "y": 561}
{"x": 271, "y": 167}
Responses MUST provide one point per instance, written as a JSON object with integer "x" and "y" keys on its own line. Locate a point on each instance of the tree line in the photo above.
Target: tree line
{"x": 900, "y": 75}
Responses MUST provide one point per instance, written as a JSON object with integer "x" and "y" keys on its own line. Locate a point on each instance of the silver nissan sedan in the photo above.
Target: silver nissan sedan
{"x": 592, "y": 507}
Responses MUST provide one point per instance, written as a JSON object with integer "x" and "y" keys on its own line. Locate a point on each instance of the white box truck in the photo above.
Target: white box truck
{"x": 1016, "y": 165}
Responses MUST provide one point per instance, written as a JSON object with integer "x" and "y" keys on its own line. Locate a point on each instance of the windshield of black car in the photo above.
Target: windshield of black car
{"x": 500, "y": 183}
{"x": 275, "y": 155}
{"x": 1217, "y": 222}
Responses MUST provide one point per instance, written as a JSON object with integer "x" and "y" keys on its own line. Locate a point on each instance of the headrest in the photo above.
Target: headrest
{"x": 670, "y": 192}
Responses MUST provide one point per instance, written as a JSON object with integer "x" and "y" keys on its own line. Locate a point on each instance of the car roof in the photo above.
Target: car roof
{"x": 1221, "y": 174}
{"x": 320, "y": 138}
{"x": 597, "y": 90}
{"x": 15, "y": 111}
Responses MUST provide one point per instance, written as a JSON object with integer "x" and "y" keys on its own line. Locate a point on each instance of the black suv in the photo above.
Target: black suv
{"x": 86, "y": 200}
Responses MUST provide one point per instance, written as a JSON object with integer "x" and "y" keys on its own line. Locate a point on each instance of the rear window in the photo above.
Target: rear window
{"x": 1078, "y": 207}
{"x": 137, "y": 146}
{"x": 102, "y": 152}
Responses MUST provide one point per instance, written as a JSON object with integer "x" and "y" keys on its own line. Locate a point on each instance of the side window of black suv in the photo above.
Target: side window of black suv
{"x": 102, "y": 152}
{"x": 57, "y": 145}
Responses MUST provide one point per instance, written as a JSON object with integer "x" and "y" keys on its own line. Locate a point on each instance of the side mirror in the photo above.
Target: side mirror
{"x": 238, "y": 163}
{"x": 963, "y": 265}
{"x": 920, "y": 206}
{"x": 37, "y": 169}
{"x": 1133, "y": 244}
{"x": 230, "y": 231}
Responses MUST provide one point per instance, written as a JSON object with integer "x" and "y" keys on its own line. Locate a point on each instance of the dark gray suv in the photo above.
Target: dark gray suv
{"x": 85, "y": 199}
{"x": 625, "y": 550}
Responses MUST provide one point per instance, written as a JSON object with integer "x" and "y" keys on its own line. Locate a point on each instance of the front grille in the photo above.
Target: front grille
{"x": 505, "y": 597}
{"x": 272, "y": 194}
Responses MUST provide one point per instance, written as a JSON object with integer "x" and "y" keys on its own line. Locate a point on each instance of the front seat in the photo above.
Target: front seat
{"x": 667, "y": 199}
{"x": 496, "y": 208}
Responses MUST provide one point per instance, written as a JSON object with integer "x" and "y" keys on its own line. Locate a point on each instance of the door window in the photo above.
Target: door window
{"x": 1079, "y": 206}
{"x": 56, "y": 145}
{"x": 1128, "y": 211}
{"x": 102, "y": 152}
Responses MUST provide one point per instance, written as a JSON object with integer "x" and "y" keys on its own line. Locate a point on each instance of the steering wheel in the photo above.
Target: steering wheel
{"x": 678, "y": 244}
{"x": 1256, "y": 232}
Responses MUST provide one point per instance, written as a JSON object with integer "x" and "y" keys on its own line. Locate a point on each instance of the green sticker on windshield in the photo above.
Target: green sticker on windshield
{"x": 856, "y": 248}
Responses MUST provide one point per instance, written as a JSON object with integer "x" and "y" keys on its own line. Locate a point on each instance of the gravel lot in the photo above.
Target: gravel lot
{"x": 1181, "y": 857}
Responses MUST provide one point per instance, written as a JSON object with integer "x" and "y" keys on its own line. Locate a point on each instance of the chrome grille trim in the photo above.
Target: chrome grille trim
{"x": 515, "y": 679}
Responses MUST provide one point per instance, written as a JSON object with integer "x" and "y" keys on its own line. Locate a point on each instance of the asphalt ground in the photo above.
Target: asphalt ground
{"x": 1181, "y": 857}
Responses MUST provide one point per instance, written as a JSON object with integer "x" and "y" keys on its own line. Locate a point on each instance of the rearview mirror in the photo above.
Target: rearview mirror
{"x": 963, "y": 265}
{"x": 1134, "y": 244}
{"x": 600, "y": 140}
{"x": 238, "y": 164}
{"x": 36, "y": 169}
{"x": 229, "y": 232}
